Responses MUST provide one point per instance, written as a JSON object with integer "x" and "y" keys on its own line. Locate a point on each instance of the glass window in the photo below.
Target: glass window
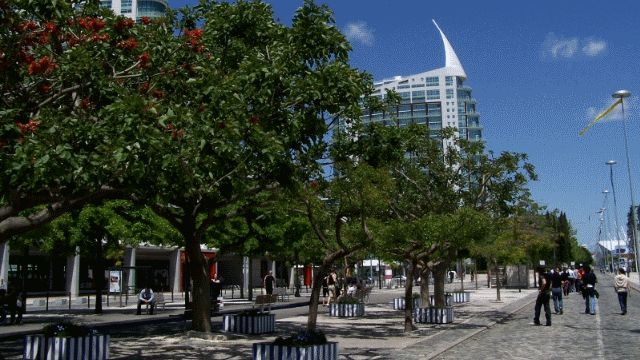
{"x": 126, "y": 6}
{"x": 449, "y": 94}
{"x": 417, "y": 85}
{"x": 449, "y": 80}
{"x": 403, "y": 86}
{"x": 432, "y": 81}
{"x": 419, "y": 93}
{"x": 433, "y": 94}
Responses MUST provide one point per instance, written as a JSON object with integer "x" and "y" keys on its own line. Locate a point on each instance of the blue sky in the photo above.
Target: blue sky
{"x": 540, "y": 72}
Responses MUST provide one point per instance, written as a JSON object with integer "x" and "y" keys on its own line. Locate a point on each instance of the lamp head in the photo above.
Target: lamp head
{"x": 620, "y": 94}
{"x": 611, "y": 162}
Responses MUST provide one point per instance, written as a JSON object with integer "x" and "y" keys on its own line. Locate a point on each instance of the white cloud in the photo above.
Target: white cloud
{"x": 594, "y": 47}
{"x": 359, "y": 31}
{"x": 555, "y": 47}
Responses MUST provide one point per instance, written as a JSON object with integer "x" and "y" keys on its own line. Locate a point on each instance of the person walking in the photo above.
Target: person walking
{"x": 565, "y": 282}
{"x": 589, "y": 281}
{"x": 325, "y": 291}
{"x": 269, "y": 281}
{"x": 332, "y": 281}
{"x": 621, "y": 285}
{"x": 544, "y": 295}
{"x": 556, "y": 291}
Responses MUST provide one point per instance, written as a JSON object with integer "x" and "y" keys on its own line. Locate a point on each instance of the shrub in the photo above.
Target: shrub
{"x": 252, "y": 312}
{"x": 416, "y": 296}
{"x": 348, "y": 300}
{"x": 67, "y": 329}
{"x": 302, "y": 338}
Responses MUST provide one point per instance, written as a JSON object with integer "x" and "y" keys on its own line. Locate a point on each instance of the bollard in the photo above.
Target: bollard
{"x": 47, "y": 306}
{"x": 69, "y": 300}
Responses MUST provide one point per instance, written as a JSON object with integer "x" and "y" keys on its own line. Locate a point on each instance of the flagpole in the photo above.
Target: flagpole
{"x": 621, "y": 94}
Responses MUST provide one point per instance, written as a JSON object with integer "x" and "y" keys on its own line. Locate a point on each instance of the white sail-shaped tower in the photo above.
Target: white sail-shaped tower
{"x": 436, "y": 98}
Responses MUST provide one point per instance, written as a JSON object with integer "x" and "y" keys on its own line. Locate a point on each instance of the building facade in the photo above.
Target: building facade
{"x": 436, "y": 98}
{"x": 136, "y": 9}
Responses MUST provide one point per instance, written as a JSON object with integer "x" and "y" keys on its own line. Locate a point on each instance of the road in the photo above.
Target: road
{"x": 573, "y": 335}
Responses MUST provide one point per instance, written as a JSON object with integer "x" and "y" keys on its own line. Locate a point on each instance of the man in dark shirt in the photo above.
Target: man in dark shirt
{"x": 269, "y": 281}
{"x": 556, "y": 291}
{"x": 544, "y": 295}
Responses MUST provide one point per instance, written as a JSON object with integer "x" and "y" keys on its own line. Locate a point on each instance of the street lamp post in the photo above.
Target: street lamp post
{"x": 621, "y": 94}
{"x": 608, "y": 223}
{"x": 615, "y": 208}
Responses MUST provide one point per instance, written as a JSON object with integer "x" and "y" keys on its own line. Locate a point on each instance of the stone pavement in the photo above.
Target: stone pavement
{"x": 573, "y": 335}
{"x": 377, "y": 335}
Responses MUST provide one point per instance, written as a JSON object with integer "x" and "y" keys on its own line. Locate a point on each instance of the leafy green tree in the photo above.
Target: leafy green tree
{"x": 345, "y": 214}
{"x": 445, "y": 196}
{"x": 192, "y": 115}
{"x": 98, "y": 233}
{"x": 514, "y": 238}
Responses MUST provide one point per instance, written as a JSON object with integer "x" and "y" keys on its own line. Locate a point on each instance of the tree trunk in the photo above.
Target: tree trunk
{"x": 312, "y": 319}
{"x": 497, "y": 279}
{"x": 439, "y": 274}
{"x": 98, "y": 276}
{"x": 424, "y": 286}
{"x": 408, "y": 299}
{"x": 201, "y": 296}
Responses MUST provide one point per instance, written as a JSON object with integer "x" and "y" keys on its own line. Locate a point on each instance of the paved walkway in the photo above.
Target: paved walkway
{"x": 379, "y": 334}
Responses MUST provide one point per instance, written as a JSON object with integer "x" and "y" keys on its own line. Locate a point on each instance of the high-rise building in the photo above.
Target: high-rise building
{"x": 436, "y": 98}
{"x": 136, "y": 9}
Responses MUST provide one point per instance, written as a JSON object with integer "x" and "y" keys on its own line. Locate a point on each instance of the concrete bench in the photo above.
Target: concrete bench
{"x": 160, "y": 301}
{"x": 265, "y": 300}
{"x": 282, "y": 293}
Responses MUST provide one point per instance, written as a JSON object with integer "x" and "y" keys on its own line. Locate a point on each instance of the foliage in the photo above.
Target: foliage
{"x": 302, "y": 338}
{"x": 195, "y": 116}
{"x": 416, "y": 296}
{"x": 251, "y": 312}
{"x": 67, "y": 329}
{"x": 348, "y": 300}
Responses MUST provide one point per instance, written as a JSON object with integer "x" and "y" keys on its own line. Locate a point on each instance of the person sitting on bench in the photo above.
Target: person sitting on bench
{"x": 146, "y": 297}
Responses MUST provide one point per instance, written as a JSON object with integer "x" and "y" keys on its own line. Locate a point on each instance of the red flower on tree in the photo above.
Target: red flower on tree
{"x": 42, "y": 65}
{"x": 222, "y": 125}
{"x": 145, "y": 20}
{"x": 122, "y": 24}
{"x": 144, "y": 60}
{"x": 128, "y": 44}
{"x": 253, "y": 120}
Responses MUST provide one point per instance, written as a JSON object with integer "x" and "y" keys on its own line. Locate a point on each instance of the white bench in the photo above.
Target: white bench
{"x": 160, "y": 301}
{"x": 262, "y": 300}
{"x": 282, "y": 293}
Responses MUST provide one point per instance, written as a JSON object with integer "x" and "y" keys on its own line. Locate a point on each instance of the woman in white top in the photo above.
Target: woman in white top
{"x": 622, "y": 288}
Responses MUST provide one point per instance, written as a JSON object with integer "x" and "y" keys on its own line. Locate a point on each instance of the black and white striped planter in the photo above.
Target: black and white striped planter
{"x": 346, "y": 310}
{"x": 269, "y": 351}
{"x": 258, "y": 324}
{"x": 460, "y": 297}
{"x": 433, "y": 315}
{"x": 92, "y": 347}
{"x": 448, "y": 300}
{"x": 398, "y": 303}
